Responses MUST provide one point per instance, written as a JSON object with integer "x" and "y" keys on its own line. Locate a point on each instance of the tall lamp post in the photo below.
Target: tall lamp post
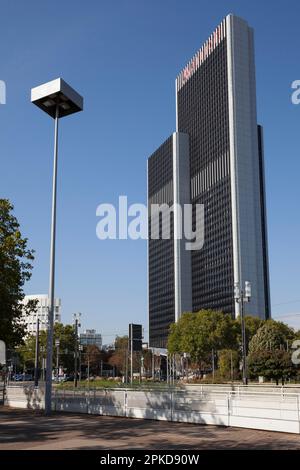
{"x": 57, "y": 99}
{"x": 77, "y": 324}
{"x": 42, "y": 349}
{"x": 80, "y": 348}
{"x": 241, "y": 296}
{"x": 36, "y": 359}
{"x": 57, "y": 343}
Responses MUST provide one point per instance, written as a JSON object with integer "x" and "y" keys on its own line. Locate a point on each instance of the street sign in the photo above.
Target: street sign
{"x": 137, "y": 336}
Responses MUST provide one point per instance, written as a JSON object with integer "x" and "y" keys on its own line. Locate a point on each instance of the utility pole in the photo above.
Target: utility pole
{"x": 168, "y": 368}
{"x": 131, "y": 354}
{"x": 142, "y": 367}
{"x": 213, "y": 363}
{"x": 42, "y": 349}
{"x": 152, "y": 357}
{"x": 57, "y": 343}
{"x": 36, "y": 361}
{"x": 174, "y": 369}
{"x": 80, "y": 353}
{"x": 126, "y": 366}
{"x": 76, "y": 353}
{"x": 76, "y": 317}
{"x": 241, "y": 296}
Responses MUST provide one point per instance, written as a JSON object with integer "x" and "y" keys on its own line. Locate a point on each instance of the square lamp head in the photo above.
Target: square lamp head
{"x": 57, "y": 92}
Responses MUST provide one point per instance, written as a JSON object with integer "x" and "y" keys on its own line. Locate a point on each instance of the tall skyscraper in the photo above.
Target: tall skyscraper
{"x": 215, "y": 158}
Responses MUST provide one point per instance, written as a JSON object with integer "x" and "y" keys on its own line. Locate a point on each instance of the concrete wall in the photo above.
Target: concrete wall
{"x": 268, "y": 410}
{"x": 25, "y": 396}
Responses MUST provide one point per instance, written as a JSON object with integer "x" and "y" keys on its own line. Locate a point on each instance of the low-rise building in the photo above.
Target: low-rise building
{"x": 41, "y": 314}
{"x": 91, "y": 337}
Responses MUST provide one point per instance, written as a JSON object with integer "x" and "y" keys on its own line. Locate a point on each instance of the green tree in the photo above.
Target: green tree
{"x": 252, "y": 325}
{"x": 66, "y": 336}
{"x": 67, "y": 340}
{"x": 92, "y": 356}
{"x": 119, "y": 356}
{"x": 272, "y": 335}
{"x": 198, "y": 333}
{"x": 272, "y": 364}
{"x": 228, "y": 361}
{"x": 15, "y": 270}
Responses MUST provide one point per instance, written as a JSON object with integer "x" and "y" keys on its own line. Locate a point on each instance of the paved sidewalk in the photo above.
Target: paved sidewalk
{"x": 24, "y": 429}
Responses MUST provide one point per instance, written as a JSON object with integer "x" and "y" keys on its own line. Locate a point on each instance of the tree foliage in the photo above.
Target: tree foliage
{"x": 269, "y": 341}
{"x": 252, "y": 325}
{"x": 271, "y": 364}
{"x": 92, "y": 357}
{"x": 271, "y": 335}
{"x": 228, "y": 362}
{"x": 198, "y": 333}
{"x": 15, "y": 270}
{"x": 66, "y": 336}
{"x": 119, "y": 356}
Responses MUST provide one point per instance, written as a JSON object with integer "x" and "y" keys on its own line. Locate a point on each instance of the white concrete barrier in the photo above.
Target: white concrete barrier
{"x": 25, "y": 397}
{"x": 268, "y": 410}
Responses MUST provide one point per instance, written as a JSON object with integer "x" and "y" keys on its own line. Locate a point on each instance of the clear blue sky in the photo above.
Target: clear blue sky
{"x": 123, "y": 57}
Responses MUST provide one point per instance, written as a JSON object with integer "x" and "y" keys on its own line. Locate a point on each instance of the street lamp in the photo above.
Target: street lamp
{"x": 77, "y": 324}
{"x": 57, "y": 343}
{"x": 42, "y": 349}
{"x": 80, "y": 348}
{"x": 36, "y": 359}
{"x": 57, "y": 99}
{"x": 241, "y": 296}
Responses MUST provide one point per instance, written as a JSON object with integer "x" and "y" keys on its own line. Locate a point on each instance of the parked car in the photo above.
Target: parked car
{"x": 22, "y": 377}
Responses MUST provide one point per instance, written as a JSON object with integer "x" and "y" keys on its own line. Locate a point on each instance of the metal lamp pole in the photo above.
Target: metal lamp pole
{"x": 76, "y": 325}
{"x": 48, "y": 391}
{"x": 57, "y": 343}
{"x": 57, "y": 99}
{"x": 36, "y": 362}
{"x": 42, "y": 349}
{"x": 88, "y": 370}
{"x": 131, "y": 355}
{"x": 241, "y": 296}
{"x": 80, "y": 348}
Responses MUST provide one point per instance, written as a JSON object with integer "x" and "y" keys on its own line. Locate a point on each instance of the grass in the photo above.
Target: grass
{"x": 111, "y": 383}
{"x": 106, "y": 383}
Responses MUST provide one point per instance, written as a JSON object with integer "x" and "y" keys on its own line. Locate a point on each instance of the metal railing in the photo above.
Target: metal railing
{"x": 243, "y": 408}
{"x": 264, "y": 409}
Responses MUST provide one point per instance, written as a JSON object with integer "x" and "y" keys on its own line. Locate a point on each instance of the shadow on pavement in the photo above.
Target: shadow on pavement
{"x": 21, "y": 429}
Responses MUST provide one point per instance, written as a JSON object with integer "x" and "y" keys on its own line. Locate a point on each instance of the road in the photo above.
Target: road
{"x": 24, "y": 429}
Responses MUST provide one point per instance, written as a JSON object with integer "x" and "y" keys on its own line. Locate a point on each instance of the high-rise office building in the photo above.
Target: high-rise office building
{"x": 215, "y": 158}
